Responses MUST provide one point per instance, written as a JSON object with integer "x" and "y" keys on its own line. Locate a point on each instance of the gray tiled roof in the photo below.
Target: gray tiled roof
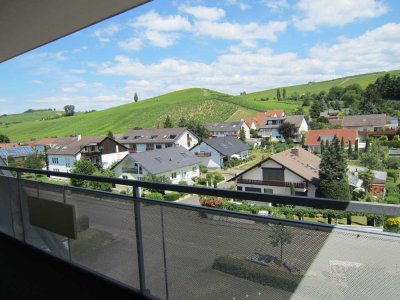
{"x": 224, "y": 126}
{"x": 72, "y": 146}
{"x": 163, "y": 160}
{"x": 152, "y": 135}
{"x": 227, "y": 146}
{"x": 364, "y": 120}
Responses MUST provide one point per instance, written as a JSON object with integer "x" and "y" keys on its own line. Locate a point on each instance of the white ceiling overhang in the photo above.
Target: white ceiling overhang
{"x": 28, "y": 24}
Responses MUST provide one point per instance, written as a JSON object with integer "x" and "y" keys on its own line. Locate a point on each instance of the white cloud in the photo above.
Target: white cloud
{"x": 317, "y": 13}
{"x": 242, "y": 5}
{"x": 203, "y": 12}
{"x": 159, "y": 39}
{"x": 236, "y": 31}
{"x": 251, "y": 68}
{"x": 153, "y": 21}
{"x": 74, "y": 87}
{"x": 36, "y": 81}
{"x": 134, "y": 44}
{"x": 104, "y": 34}
{"x": 276, "y": 4}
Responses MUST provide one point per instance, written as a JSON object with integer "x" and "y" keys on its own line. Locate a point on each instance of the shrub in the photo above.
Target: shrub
{"x": 392, "y": 174}
{"x": 172, "y": 196}
{"x": 203, "y": 169}
{"x": 257, "y": 273}
{"x": 218, "y": 177}
{"x": 155, "y": 196}
{"x": 182, "y": 182}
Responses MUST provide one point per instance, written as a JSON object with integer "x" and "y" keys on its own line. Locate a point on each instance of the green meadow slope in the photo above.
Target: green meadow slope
{"x": 196, "y": 103}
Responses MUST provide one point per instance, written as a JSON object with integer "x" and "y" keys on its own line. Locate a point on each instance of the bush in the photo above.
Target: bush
{"x": 257, "y": 273}
{"x": 182, "y": 182}
{"x": 392, "y": 174}
{"x": 218, "y": 177}
{"x": 155, "y": 196}
{"x": 203, "y": 169}
{"x": 172, "y": 196}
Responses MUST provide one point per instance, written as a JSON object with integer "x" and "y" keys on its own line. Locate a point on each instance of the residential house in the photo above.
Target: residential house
{"x": 16, "y": 154}
{"x": 371, "y": 125}
{"x": 177, "y": 164}
{"x": 231, "y": 129}
{"x": 377, "y": 186}
{"x": 279, "y": 172}
{"x": 140, "y": 140}
{"x": 39, "y": 146}
{"x": 214, "y": 152}
{"x": 315, "y": 137}
{"x": 102, "y": 151}
{"x": 270, "y": 129}
{"x": 259, "y": 119}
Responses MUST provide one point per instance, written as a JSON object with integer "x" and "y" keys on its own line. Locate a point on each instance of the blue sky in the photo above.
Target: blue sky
{"x": 228, "y": 45}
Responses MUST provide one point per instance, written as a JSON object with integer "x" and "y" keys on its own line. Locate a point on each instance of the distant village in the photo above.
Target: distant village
{"x": 179, "y": 156}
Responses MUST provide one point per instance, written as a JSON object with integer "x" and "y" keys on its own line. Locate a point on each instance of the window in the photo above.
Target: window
{"x": 251, "y": 189}
{"x": 273, "y": 174}
{"x": 194, "y": 169}
{"x": 124, "y": 177}
{"x": 67, "y": 165}
{"x": 158, "y": 146}
{"x": 54, "y": 160}
{"x": 140, "y": 178}
{"x": 239, "y": 188}
{"x": 149, "y": 147}
{"x": 184, "y": 174}
{"x": 173, "y": 175}
{"x": 268, "y": 191}
{"x": 169, "y": 145}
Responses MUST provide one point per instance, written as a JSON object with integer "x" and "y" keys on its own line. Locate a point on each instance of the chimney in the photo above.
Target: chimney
{"x": 79, "y": 137}
{"x": 294, "y": 151}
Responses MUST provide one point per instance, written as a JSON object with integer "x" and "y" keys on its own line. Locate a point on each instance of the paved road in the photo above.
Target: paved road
{"x": 192, "y": 242}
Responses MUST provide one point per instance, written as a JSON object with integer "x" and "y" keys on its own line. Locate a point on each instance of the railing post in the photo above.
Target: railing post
{"x": 164, "y": 255}
{"x": 139, "y": 240}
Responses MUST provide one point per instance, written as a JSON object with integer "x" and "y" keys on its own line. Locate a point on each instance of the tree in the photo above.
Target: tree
{"x": 371, "y": 159}
{"x": 135, "y": 97}
{"x": 242, "y": 135}
{"x": 278, "y": 94}
{"x": 356, "y": 149}
{"x": 101, "y": 186}
{"x": 4, "y": 138}
{"x": 287, "y": 130}
{"x": 159, "y": 179}
{"x": 349, "y": 150}
{"x": 292, "y": 189}
{"x": 168, "y": 122}
{"x": 335, "y": 93}
{"x": 69, "y": 110}
{"x": 367, "y": 177}
{"x": 34, "y": 161}
{"x": 322, "y": 145}
{"x": 316, "y": 109}
{"x": 182, "y": 122}
{"x": 110, "y": 135}
{"x": 333, "y": 181}
{"x": 284, "y": 93}
{"x": 342, "y": 144}
{"x": 82, "y": 167}
{"x": 280, "y": 236}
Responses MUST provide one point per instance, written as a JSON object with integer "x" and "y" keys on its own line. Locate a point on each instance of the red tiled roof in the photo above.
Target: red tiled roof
{"x": 313, "y": 136}
{"x": 260, "y": 117}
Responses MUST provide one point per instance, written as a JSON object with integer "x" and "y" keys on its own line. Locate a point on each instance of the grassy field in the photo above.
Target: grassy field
{"x": 6, "y": 120}
{"x": 201, "y": 104}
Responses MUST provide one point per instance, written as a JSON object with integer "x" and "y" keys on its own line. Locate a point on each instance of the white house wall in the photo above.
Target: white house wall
{"x": 108, "y": 159}
{"x": 182, "y": 140}
{"x": 65, "y": 162}
{"x": 246, "y": 130}
{"x": 214, "y": 161}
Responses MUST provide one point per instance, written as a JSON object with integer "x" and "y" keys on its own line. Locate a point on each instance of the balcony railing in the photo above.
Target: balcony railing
{"x": 380, "y": 132}
{"x": 299, "y": 185}
{"x": 169, "y": 250}
{"x": 202, "y": 154}
{"x": 131, "y": 170}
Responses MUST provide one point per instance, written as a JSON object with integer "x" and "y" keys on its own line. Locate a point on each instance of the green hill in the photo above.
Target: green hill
{"x": 28, "y": 116}
{"x": 196, "y": 103}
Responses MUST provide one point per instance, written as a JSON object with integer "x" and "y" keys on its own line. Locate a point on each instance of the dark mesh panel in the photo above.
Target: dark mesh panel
{"x": 6, "y": 221}
{"x": 106, "y": 236}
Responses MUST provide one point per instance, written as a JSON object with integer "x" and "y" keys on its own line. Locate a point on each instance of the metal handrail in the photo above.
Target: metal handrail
{"x": 315, "y": 202}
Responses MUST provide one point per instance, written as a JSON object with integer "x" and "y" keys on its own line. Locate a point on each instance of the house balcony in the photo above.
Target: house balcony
{"x": 386, "y": 132}
{"x": 299, "y": 185}
{"x": 131, "y": 170}
{"x": 166, "y": 250}
{"x": 202, "y": 154}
